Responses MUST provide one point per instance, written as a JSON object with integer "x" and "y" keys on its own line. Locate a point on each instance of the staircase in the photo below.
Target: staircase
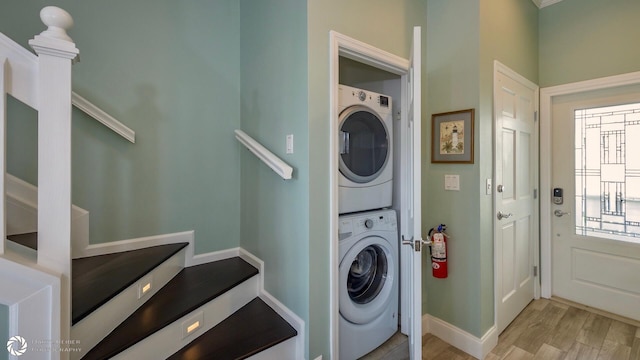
{"x": 206, "y": 311}
{"x": 148, "y": 298}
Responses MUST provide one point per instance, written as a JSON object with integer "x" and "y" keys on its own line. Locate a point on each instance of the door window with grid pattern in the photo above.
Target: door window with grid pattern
{"x": 607, "y": 159}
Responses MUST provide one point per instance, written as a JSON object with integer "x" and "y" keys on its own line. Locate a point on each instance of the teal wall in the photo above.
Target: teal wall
{"x": 588, "y": 39}
{"x": 171, "y": 72}
{"x": 385, "y": 26}
{"x": 509, "y": 34}
{"x": 453, "y": 84}
{"x": 463, "y": 39}
{"x": 4, "y": 331}
{"x": 274, "y": 103}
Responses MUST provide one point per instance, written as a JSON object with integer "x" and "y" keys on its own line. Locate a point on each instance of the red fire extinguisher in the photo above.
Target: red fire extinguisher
{"x": 438, "y": 251}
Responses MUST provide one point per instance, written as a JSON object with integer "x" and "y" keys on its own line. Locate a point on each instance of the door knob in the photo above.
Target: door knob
{"x": 415, "y": 244}
{"x": 560, "y": 213}
{"x": 502, "y": 215}
{"x": 500, "y": 188}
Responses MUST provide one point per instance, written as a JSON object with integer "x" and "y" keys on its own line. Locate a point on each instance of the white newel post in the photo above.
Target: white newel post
{"x": 55, "y": 51}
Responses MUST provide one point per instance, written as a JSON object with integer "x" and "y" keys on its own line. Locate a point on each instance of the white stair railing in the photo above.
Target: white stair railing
{"x": 23, "y": 70}
{"x": 104, "y": 118}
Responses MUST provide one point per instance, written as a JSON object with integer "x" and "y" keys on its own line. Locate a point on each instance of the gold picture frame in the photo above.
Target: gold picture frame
{"x": 452, "y": 137}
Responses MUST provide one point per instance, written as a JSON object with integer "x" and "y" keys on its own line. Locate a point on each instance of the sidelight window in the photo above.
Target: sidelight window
{"x": 607, "y": 159}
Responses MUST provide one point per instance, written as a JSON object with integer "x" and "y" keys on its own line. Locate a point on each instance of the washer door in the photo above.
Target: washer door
{"x": 367, "y": 273}
{"x": 364, "y": 144}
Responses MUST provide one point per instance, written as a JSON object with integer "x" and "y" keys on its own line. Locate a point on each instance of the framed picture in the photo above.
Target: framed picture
{"x": 452, "y": 137}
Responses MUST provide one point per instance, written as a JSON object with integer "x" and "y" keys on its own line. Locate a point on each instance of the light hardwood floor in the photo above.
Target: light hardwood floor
{"x": 545, "y": 330}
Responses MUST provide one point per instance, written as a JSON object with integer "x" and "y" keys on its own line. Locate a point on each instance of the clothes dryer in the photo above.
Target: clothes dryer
{"x": 369, "y": 276}
{"x": 366, "y": 159}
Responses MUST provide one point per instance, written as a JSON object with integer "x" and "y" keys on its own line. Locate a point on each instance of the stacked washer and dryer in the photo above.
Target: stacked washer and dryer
{"x": 368, "y": 237}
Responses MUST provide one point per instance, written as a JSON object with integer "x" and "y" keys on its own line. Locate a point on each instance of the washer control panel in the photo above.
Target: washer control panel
{"x": 355, "y": 224}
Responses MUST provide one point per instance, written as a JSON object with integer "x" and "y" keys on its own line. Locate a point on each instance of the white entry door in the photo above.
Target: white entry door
{"x": 595, "y": 238}
{"x": 516, "y": 174}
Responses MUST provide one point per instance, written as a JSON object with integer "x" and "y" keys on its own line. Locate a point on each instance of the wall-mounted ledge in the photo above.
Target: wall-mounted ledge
{"x": 275, "y": 163}
{"x": 104, "y": 118}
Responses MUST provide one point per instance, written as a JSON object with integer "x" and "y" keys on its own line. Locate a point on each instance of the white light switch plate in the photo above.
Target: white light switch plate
{"x": 290, "y": 144}
{"x": 452, "y": 182}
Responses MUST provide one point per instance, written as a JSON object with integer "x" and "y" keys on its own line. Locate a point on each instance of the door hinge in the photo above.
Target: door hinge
{"x": 535, "y": 271}
{"x": 535, "y": 193}
{"x": 535, "y": 116}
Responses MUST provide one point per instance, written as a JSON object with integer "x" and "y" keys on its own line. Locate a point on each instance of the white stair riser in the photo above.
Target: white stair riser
{"x": 168, "y": 340}
{"x": 93, "y": 328}
{"x": 286, "y": 350}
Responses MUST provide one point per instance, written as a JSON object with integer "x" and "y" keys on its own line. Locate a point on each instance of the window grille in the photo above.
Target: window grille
{"x": 607, "y": 172}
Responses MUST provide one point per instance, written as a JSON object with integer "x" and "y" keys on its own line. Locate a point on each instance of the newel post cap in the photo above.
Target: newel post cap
{"x": 58, "y": 21}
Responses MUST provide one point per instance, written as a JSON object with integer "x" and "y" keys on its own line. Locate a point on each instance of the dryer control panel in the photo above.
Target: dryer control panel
{"x": 350, "y": 95}
{"x": 355, "y": 224}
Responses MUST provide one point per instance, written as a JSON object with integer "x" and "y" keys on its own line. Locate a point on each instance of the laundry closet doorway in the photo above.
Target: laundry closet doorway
{"x": 360, "y": 65}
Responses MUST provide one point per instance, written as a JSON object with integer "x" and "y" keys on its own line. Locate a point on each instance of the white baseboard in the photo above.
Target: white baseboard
{"x": 211, "y": 257}
{"x": 141, "y": 243}
{"x": 476, "y": 347}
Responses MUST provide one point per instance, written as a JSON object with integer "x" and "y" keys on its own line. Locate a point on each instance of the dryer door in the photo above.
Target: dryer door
{"x": 364, "y": 144}
{"x": 367, "y": 273}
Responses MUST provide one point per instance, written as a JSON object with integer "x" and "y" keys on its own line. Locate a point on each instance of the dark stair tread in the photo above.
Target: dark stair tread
{"x": 97, "y": 279}
{"x": 191, "y": 288}
{"x": 250, "y": 330}
{"x": 29, "y": 240}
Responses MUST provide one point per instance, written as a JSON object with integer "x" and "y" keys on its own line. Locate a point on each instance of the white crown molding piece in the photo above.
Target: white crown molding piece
{"x": 104, "y": 118}
{"x": 275, "y": 163}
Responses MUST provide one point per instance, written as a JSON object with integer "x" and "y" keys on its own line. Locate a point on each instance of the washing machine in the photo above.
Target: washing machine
{"x": 365, "y": 141}
{"x": 369, "y": 277}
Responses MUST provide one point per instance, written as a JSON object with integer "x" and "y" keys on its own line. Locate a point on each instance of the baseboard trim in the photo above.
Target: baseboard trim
{"x": 275, "y": 304}
{"x": 211, "y": 257}
{"x": 476, "y": 347}
{"x": 141, "y": 243}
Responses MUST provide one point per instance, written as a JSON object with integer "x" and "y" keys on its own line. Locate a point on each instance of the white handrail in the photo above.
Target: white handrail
{"x": 275, "y": 163}
{"x": 23, "y": 74}
{"x": 104, "y": 118}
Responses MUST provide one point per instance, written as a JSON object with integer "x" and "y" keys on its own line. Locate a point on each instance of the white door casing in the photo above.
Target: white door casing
{"x": 589, "y": 269}
{"x": 410, "y": 79}
{"x": 515, "y": 201}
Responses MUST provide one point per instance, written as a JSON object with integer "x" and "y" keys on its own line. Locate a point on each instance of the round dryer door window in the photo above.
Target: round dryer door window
{"x": 364, "y": 144}
{"x": 366, "y": 280}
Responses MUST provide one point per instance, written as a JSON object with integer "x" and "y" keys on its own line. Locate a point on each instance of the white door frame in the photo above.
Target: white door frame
{"x": 342, "y": 45}
{"x": 546, "y": 102}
